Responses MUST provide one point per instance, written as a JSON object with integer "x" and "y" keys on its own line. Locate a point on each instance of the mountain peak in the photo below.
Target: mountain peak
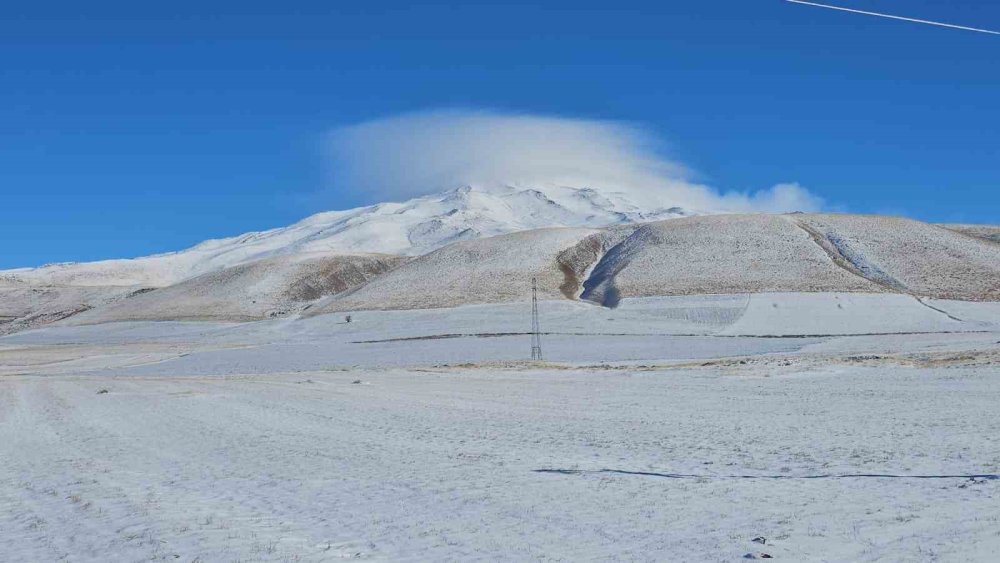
{"x": 413, "y": 227}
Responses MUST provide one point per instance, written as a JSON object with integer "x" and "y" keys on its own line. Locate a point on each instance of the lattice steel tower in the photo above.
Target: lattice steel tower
{"x": 536, "y": 337}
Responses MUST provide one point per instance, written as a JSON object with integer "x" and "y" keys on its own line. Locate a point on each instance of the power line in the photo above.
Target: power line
{"x": 536, "y": 337}
{"x": 901, "y": 18}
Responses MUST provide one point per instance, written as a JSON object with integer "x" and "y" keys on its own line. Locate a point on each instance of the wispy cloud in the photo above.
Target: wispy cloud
{"x": 414, "y": 154}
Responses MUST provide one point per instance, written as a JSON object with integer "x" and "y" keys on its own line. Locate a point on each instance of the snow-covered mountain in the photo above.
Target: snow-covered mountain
{"x": 414, "y": 227}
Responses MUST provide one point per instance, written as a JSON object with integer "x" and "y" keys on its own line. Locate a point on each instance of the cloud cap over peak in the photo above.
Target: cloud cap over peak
{"x": 414, "y": 154}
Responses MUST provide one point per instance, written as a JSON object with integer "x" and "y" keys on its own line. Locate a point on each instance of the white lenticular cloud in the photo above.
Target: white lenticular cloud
{"x": 415, "y": 154}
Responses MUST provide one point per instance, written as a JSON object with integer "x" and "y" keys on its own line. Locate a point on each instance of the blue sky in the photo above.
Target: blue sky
{"x": 128, "y": 128}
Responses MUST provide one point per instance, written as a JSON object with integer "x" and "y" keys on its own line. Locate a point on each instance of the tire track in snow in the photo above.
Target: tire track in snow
{"x": 933, "y": 308}
{"x": 709, "y": 476}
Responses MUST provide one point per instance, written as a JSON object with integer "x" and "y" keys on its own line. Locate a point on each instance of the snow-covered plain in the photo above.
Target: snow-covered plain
{"x": 840, "y": 427}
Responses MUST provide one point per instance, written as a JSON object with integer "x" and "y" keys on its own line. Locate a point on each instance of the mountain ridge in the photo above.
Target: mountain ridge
{"x": 412, "y": 228}
{"x": 474, "y": 245}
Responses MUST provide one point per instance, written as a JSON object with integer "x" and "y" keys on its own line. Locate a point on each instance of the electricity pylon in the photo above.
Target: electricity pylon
{"x": 536, "y": 337}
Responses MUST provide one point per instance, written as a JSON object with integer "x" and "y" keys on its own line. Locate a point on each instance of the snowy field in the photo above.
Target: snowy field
{"x": 839, "y": 427}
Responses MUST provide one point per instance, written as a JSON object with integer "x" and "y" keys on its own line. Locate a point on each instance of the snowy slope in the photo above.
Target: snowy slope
{"x": 908, "y": 256}
{"x": 267, "y": 288}
{"x": 412, "y": 228}
{"x": 796, "y": 253}
{"x": 709, "y": 254}
{"x": 987, "y": 232}
{"x": 24, "y": 306}
{"x": 491, "y": 270}
{"x": 717, "y": 254}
